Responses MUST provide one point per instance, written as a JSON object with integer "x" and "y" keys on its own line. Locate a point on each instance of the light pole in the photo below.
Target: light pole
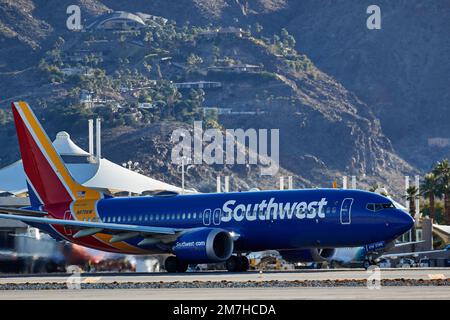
{"x": 183, "y": 164}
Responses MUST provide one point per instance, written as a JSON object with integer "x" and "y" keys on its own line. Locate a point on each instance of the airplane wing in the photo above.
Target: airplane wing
{"x": 23, "y": 212}
{"x": 8, "y": 254}
{"x": 404, "y": 244}
{"x": 418, "y": 254}
{"x": 90, "y": 228}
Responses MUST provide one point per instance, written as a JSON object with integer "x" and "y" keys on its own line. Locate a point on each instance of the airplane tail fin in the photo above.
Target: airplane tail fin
{"x": 49, "y": 180}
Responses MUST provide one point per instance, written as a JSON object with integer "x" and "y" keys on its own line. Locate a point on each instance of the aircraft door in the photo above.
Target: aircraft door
{"x": 207, "y": 217}
{"x": 346, "y": 211}
{"x": 217, "y": 216}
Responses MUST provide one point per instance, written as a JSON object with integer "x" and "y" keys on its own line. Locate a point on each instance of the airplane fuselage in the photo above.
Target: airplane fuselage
{"x": 201, "y": 228}
{"x": 267, "y": 220}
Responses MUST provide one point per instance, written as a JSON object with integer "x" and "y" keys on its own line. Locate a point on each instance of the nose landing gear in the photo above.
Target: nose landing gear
{"x": 368, "y": 263}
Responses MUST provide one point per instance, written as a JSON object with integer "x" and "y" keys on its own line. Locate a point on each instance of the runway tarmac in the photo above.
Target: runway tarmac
{"x": 385, "y": 293}
{"x": 298, "y": 275}
{"x": 174, "y": 292}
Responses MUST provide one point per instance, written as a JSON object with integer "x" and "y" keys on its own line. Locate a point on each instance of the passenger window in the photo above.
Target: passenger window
{"x": 194, "y": 215}
{"x": 178, "y": 216}
{"x": 183, "y": 216}
{"x": 189, "y": 216}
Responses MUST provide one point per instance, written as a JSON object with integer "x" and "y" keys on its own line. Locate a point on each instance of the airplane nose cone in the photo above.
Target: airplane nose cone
{"x": 402, "y": 222}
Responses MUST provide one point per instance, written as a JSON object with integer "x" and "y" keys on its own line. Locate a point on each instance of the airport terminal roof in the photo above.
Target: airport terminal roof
{"x": 116, "y": 178}
{"x": 104, "y": 174}
{"x": 442, "y": 228}
{"x": 65, "y": 146}
{"x": 442, "y": 231}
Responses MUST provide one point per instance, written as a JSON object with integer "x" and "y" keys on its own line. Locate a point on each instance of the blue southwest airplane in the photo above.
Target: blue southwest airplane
{"x": 200, "y": 228}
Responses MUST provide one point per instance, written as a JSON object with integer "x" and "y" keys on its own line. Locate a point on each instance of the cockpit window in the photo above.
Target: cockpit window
{"x": 375, "y": 207}
{"x": 388, "y": 205}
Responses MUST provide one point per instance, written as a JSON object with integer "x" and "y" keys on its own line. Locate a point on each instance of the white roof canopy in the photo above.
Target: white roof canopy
{"x": 104, "y": 174}
{"x": 116, "y": 178}
{"x": 66, "y": 147}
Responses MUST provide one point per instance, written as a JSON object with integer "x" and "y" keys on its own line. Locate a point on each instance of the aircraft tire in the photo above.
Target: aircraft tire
{"x": 171, "y": 264}
{"x": 181, "y": 266}
{"x": 39, "y": 266}
{"x": 245, "y": 264}
{"x": 233, "y": 264}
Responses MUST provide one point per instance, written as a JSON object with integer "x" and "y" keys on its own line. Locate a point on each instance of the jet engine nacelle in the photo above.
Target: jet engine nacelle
{"x": 308, "y": 255}
{"x": 204, "y": 245}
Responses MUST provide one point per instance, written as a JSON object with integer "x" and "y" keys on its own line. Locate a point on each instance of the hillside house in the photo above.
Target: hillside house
{"x": 223, "y": 32}
{"x": 439, "y": 142}
{"x": 198, "y": 85}
{"x": 117, "y": 21}
{"x": 239, "y": 68}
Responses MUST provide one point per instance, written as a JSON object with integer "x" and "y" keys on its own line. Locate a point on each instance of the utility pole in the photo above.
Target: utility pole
{"x": 218, "y": 184}
{"x": 344, "y": 182}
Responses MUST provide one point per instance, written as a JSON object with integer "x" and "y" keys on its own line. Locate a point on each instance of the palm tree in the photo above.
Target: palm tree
{"x": 412, "y": 194}
{"x": 442, "y": 173}
{"x": 430, "y": 189}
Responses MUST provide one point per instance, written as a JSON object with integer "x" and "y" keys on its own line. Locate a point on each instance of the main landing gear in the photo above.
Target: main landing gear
{"x": 237, "y": 264}
{"x": 173, "y": 265}
{"x": 234, "y": 264}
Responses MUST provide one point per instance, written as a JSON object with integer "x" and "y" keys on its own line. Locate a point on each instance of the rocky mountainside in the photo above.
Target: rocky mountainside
{"x": 400, "y": 71}
{"x": 333, "y": 117}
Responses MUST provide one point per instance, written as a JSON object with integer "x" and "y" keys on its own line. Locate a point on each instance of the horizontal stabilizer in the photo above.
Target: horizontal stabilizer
{"x": 23, "y": 212}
